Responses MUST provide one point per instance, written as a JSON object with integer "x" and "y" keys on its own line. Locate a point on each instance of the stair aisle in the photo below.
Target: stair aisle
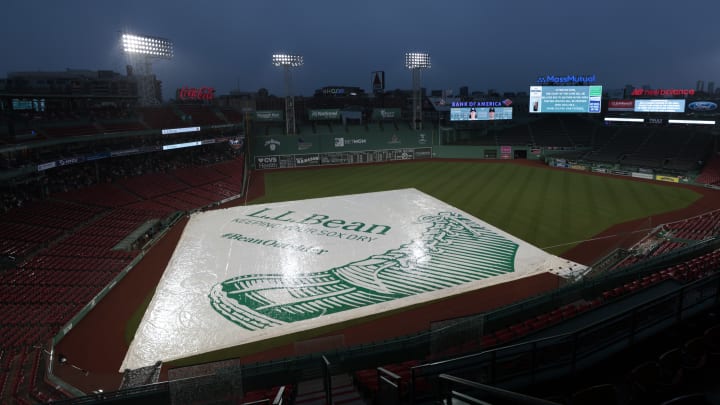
{"x": 343, "y": 392}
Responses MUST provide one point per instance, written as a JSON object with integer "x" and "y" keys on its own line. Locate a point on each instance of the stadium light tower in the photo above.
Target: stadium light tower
{"x": 416, "y": 62}
{"x": 287, "y": 61}
{"x": 141, "y": 50}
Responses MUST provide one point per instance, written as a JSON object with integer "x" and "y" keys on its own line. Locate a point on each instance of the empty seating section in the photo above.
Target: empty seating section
{"x": 674, "y": 235}
{"x": 691, "y": 270}
{"x": 711, "y": 172}
{"x": 161, "y": 118}
{"x": 626, "y": 141}
{"x": 549, "y": 132}
{"x": 194, "y": 200}
{"x": 152, "y": 185}
{"x": 174, "y": 203}
{"x": 128, "y": 126}
{"x": 220, "y": 189}
{"x": 73, "y": 236}
{"x": 196, "y": 176}
{"x": 696, "y": 228}
{"x": 579, "y": 129}
{"x": 691, "y": 153}
{"x": 21, "y": 239}
{"x": 24, "y": 230}
{"x": 233, "y": 116}
{"x": 518, "y": 135}
{"x": 673, "y": 149}
{"x": 200, "y": 115}
{"x": 230, "y": 169}
{"x": 102, "y": 195}
{"x": 53, "y": 214}
{"x": 75, "y": 130}
{"x": 661, "y": 145}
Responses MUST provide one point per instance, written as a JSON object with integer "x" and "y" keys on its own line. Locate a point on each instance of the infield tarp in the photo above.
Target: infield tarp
{"x": 245, "y": 274}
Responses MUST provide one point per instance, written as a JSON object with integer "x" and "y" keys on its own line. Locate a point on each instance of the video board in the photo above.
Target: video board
{"x": 480, "y": 113}
{"x": 663, "y": 105}
{"x": 565, "y": 99}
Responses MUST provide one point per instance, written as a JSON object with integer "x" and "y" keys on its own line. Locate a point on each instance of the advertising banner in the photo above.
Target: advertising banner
{"x": 621, "y": 105}
{"x": 665, "y": 105}
{"x": 671, "y": 179}
{"x": 269, "y": 115}
{"x": 386, "y": 113}
{"x": 642, "y": 175}
{"x": 324, "y": 115}
{"x": 266, "y": 162}
{"x": 336, "y": 158}
{"x": 703, "y": 107}
{"x": 506, "y": 152}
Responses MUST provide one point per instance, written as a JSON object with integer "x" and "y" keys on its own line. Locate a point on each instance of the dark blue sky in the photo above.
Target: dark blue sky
{"x": 482, "y": 44}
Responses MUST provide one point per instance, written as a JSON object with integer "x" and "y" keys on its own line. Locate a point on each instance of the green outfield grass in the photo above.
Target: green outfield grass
{"x": 546, "y": 207}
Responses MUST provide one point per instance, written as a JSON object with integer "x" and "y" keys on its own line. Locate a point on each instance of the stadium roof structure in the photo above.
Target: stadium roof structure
{"x": 246, "y": 274}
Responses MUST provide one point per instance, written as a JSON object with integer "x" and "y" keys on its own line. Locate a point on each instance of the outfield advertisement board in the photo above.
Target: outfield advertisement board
{"x": 640, "y": 175}
{"x": 386, "y": 114}
{"x": 338, "y": 142}
{"x": 324, "y": 115}
{"x": 340, "y": 158}
{"x": 670, "y": 179}
{"x": 269, "y": 115}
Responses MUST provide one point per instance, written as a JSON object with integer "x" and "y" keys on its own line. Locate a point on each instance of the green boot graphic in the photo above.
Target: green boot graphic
{"x": 452, "y": 251}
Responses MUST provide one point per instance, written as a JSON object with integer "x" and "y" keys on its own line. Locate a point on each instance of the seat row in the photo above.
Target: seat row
{"x": 50, "y": 294}
{"x": 152, "y": 185}
{"x": 690, "y": 270}
{"x": 197, "y": 176}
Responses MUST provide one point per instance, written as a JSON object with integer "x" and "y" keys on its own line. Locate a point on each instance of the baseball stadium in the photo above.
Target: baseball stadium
{"x": 356, "y": 246}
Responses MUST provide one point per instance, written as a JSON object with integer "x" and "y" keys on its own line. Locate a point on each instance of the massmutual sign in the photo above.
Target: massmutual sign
{"x": 249, "y": 273}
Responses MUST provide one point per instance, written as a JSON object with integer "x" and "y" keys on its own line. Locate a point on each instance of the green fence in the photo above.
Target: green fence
{"x": 341, "y": 139}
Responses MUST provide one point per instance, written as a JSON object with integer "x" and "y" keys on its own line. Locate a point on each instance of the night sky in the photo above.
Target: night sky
{"x": 502, "y": 45}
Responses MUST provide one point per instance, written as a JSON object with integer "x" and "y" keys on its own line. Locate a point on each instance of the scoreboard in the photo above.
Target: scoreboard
{"x": 565, "y": 99}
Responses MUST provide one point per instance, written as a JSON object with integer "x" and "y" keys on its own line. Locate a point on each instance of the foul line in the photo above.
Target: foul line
{"x": 599, "y": 238}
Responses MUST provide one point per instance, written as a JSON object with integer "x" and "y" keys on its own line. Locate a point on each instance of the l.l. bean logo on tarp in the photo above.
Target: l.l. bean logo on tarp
{"x": 453, "y": 250}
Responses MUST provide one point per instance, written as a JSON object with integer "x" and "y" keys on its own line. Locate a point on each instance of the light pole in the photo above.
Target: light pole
{"x": 416, "y": 62}
{"x": 141, "y": 50}
{"x": 287, "y": 61}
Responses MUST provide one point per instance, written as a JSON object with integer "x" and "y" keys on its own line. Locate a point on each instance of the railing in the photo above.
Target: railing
{"x": 451, "y": 383}
{"x": 534, "y": 360}
{"x": 552, "y": 357}
{"x": 389, "y": 387}
{"x": 327, "y": 380}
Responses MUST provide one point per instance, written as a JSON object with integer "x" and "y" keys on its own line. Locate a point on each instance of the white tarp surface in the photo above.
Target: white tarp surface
{"x": 245, "y": 274}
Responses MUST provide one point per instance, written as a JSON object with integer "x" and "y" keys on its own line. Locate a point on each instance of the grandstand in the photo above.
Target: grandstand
{"x": 88, "y": 192}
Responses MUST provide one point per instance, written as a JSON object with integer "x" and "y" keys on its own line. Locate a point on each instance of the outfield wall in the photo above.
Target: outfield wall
{"x": 617, "y": 170}
{"x": 484, "y": 152}
{"x": 338, "y": 141}
{"x": 274, "y": 152}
